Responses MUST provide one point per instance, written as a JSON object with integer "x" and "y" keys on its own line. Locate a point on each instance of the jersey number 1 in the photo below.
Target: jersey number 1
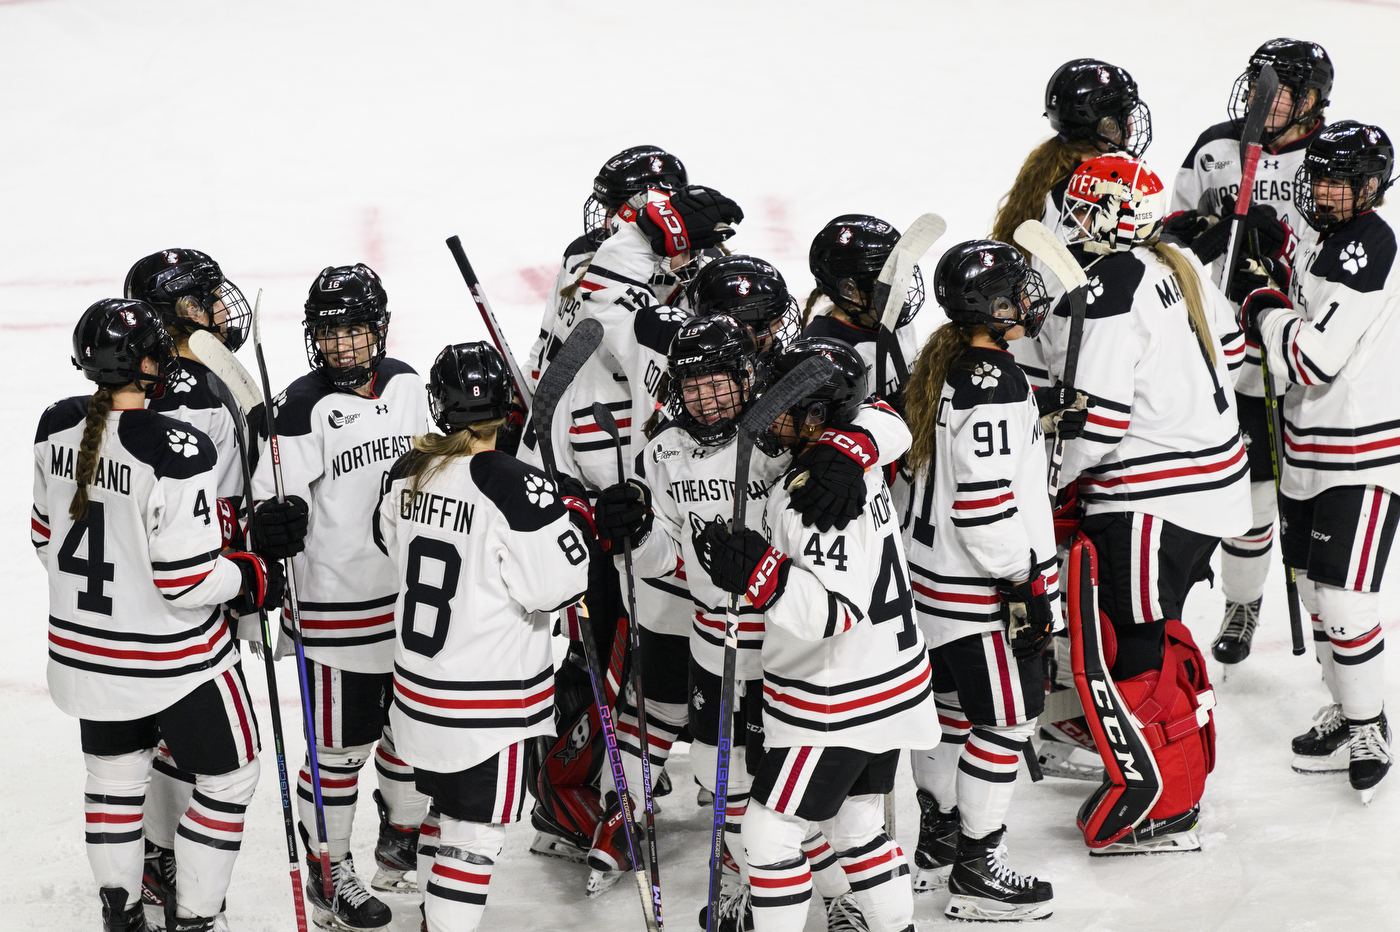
{"x": 439, "y": 597}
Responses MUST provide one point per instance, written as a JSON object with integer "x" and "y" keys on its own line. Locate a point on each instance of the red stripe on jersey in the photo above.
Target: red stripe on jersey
{"x": 541, "y": 696}
{"x": 39, "y": 528}
{"x": 192, "y": 650}
{"x": 793, "y": 774}
{"x": 591, "y": 286}
{"x": 835, "y": 708}
{"x": 804, "y": 877}
{"x": 990, "y": 598}
{"x": 183, "y": 580}
{"x": 335, "y": 783}
{"x": 1008, "y": 693}
{"x": 1340, "y": 447}
{"x": 509, "y": 805}
{"x": 334, "y": 624}
{"x": 1145, "y": 567}
{"x": 327, "y": 716}
{"x": 389, "y": 757}
{"x": 213, "y": 823}
{"x": 744, "y": 626}
{"x": 953, "y": 722}
{"x": 868, "y": 863}
{"x": 977, "y": 750}
{"x": 1169, "y": 473}
{"x": 1298, "y": 364}
{"x": 594, "y": 428}
{"x": 983, "y": 502}
{"x": 1358, "y": 642}
{"x": 1108, "y": 421}
{"x": 234, "y": 694}
{"x": 653, "y": 739}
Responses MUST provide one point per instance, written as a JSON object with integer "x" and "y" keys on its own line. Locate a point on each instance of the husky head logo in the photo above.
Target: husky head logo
{"x": 171, "y": 258}
{"x": 742, "y": 285}
{"x": 988, "y": 260}
{"x": 1372, "y": 136}
{"x": 1103, "y": 75}
{"x": 129, "y": 318}
{"x": 844, "y": 236}
{"x": 656, "y": 165}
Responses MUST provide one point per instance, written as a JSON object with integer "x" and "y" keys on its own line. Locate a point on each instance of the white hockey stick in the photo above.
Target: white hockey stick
{"x": 212, "y": 352}
{"x": 892, "y": 289}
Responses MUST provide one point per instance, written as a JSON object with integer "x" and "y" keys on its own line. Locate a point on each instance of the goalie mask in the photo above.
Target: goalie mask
{"x": 188, "y": 289}
{"x": 751, "y": 291}
{"x": 626, "y": 174}
{"x": 1112, "y": 204}
{"x": 851, "y": 250}
{"x": 346, "y": 325}
{"x": 989, "y": 283}
{"x": 711, "y": 370}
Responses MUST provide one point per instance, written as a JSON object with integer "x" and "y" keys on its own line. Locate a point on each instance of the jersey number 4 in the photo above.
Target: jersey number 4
{"x": 899, "y": 606}
{"x": 93, "y": 526}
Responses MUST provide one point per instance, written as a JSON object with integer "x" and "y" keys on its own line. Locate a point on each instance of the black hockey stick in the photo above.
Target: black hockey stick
{"x": 575, "y": 351}
{"x": 604, "y": 419}
{"x": 294, "y": 608}
{"x": 1255, "y": 121}
{"x": 493, "y": 326}
{"x": 225, "y": 394}
{"x": 770, "y": 406}
{"x": 1290, "y": 576}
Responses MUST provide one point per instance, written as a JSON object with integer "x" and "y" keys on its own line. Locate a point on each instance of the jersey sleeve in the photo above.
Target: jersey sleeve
{"x": 886, "y": 428}
{"x": 300, "y": 454}
{"x": 986, "y": 452}
{"x": 184, "y": 539}
{"x": 1186, "y": 191}
{"x": 544, "y": 568}
{"x": 830, "y": 578}
{"x": 39, "y": 527}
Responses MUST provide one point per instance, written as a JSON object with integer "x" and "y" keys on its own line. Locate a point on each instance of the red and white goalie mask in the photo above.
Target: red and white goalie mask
{"x": 1113, "y": 203}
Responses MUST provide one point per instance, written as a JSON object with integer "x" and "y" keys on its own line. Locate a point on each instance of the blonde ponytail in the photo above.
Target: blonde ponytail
{"x": 1185, "y": 275}
{"x": 431, "y": 452}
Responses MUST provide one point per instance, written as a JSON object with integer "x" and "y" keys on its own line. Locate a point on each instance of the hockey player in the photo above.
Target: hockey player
{"x": 1163, "y": 476}
{"x": 1209, "y": 180}
{"x": 753, "y": 292}
{"x": 1334, "y": 342}
{"x": 188, "y": 289}
{"x": 622, "y": 177}
{"x": 839, "y": 621}
{"x": 981, "y": 548}
{"x": 341, "y": 427}
{"x": 480, "y": 541}
{"x": 138, "y": 647}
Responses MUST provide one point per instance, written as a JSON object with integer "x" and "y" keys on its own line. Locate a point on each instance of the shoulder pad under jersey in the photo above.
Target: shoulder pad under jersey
{"x": 173, "y": 449}
{"x": 60, "y": 416}
{"x": 1359, "y": 255}
{"x": 1227, "y": 130}
{"x": 995, "y": 379}
{"x": 1113, "y": 283}
{"x": 525, "y": 496}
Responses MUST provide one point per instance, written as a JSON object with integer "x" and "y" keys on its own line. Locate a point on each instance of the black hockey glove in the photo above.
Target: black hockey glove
{"x": 1063, "y": 410}
{"x": 1028, "y": 613}
{"x": 693, "y": 218}
{"x": 279, "y": 528}
{"x": 264, "y": 582}
{"x": 1256, "y": 306}
{"x": 827, "y": 481}
{"x": 1264, "y": 256}
{"x": 623, "y": 511}
{"x": 1187, "y": 226}
{"x": 743, "y": 564}
{"x": 230, "y": 529}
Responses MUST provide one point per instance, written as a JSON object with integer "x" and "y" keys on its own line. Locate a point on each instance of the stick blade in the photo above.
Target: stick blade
{"x": 892, "y": 284}
{"x": 1255, "y": 120}
{"x": 788, "y": 391}
{"x": 214, "y": 354}
{"x": 603, "y": 417}
{"x": 585, "y": 338}
{"x": 1035, "y": 238}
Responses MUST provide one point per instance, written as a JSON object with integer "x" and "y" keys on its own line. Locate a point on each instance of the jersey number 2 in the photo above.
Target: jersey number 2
{"x": 93, "y": 526}
{"x": 438, "y": 597}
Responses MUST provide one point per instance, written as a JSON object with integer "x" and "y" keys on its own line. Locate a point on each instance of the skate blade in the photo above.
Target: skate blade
{"x": 981, "y": 909}
{"x": 387, "y": 880}
{"x": 1166, "y": 844}
{"x": 1368, "y": 794}
{"x": 323, "y": 918}
{"x": 553, "y": 846}
{"x": 1055, "y": 762}
{"x": 931, "y": 879}
{"x": 600, "y": 882}
{"x": 1315, "y": 765}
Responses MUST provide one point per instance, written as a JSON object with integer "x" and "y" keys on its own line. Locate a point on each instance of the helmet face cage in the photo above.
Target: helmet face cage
{"x": 467, "y": 384}
{"x": 626, "y": 174}
{"x": 834, "y": 401}
{"x": 174, "y": 279}
{"x": 1093, "y": 100}
{"x": 853, "y": 248}
{"x": 112, "y": 338}
{"x": 358, "y": 337}
{"x": 1347, "y": 154}
{"x": 1301, "y": 67}
{"x": 1112, "y": 204}
{"x": 711, "y": 371}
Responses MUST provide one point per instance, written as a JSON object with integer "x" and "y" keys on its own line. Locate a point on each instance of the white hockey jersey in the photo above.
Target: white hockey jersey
{"x": 1162, "y": 436}
{"x": 560, "y": 313}
{"x": 136, "y": 586}
{"x": 1214, "y": 162}
{"x": 822, "y": 324}
{"x": 844, "y": 663}
{"x": 1341, "y": 419}
{"x": 482, "y": 548}
{"x": 983, "y": 513}
{"x": 337, "y": 449}
{"x": 190, "y": 397}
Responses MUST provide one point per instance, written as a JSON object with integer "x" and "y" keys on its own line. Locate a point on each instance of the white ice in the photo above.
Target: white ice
{"x": 283, "y": 137}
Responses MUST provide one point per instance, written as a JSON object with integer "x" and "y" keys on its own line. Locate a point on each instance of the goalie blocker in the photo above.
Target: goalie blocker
{"x": 1155, "y": 731}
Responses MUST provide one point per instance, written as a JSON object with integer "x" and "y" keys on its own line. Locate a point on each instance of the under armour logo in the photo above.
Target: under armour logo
{"x": 381, "y": 409}
{"x": 1269, "y": 164}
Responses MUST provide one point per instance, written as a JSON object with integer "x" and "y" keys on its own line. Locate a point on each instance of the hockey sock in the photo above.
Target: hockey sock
{"x": 1353, "y": 627}
{"x": 167, "y": 798}
{"x": 987, "y": 776}
{"x": 1244, "y": 560}
{"x": 1322, "y": 646}
{"x": 406, "y": 805}
{"x": 703, "y": 760}
{"x": 874, "y": 864}
{"x": 664, "y": 721}
{"x": 780, "y": 880}
{"x": 208, "y": 839}
{"x": 112, "y": 799}
{"x": 428, "y": 835}
{"x": 827, "y": 875}
{"x": 455, "y": 895}
{"x": 936, "y": 770}
{"x": 340, "y": 784}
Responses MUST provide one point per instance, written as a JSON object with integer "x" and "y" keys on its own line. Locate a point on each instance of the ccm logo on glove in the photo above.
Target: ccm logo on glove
{"x": 850, "y": 444}
{"x": 763, "y": 585}
{"x": 664, "y": 216}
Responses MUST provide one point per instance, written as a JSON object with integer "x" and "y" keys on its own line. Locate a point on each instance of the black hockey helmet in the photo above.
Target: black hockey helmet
{"x": 854, "y": 247}
{"x": 342, "y": 297}
{"x": 468, "y": 383}
{"x": 751, "y": 291}
{"x": 167, "y": 279}
{"x": 629, "y": 172}
{"x": 1356, "y": 154}
{"x": 114, "y": 335}
{"x": 834, "y": 401}
{"x": 1091, "y": 99}
{"x": 986, "y": 282}
{"x": 711, "y": 346}
{"x": 1301, "y": 67}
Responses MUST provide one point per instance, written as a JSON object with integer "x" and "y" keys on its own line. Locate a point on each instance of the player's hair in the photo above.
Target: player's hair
{"x": 571, "y": 289}
{"x": 99, "y": 406}
{"x": 1180, "y": 266}
{"x": 1049, "y": 163}
{"x": 433, "y": 451}
{"x": 944, "y": 353}
{"x": 812, "y": 300}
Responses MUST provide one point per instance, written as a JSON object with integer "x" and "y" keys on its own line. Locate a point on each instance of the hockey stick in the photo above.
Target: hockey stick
{"x": 892, "y": 288}
{"x": 240, "y": 385}
{"x": 1035, "y": 238}
{"x": 1290, "y": 576}
{"x": 493, "y": 326}
{"x": 227, "y": 396}
{"x": 1265, "y": 89}
{"x": 770, "y": 406}
{"x": 577, "y": 349}
{"x": 313, "y": 766}
{"x": 604, "y": 419}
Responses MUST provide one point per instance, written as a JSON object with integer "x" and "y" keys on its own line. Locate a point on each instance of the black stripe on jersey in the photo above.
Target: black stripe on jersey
{"x": 137, "y": 636}
{"x": 112, "y": 838}
{"x": 1376, "y": 463}
{"x": 989, "y": 519}
{"x": 972, "y": 770}
{"x": 518, "y": 721}
{"x": 587, "y": 413}
{"x": 991, "y": 616}
{"x": 1340, "y": 431}
{"x": 1287, "y": 356}
{"x": 875, "y": 881}
{"x": 1001, "y": 741}
{"x": 591, "y": 445}
{"x": 461, "y": 896}
{"x": 955, "y": 580}
{"x": 475, "y": 685}
{"x": 343, "y": 642}
{"x": 115, "y": 800}
{"x": 1360, "y": 658}
{"x": 718, "y": 639}
{"x": 1171, "y": 490}
{"x": 1098, "y": 402}
{"x": 866, "y": 683}
{"x": 222, "y": 844}
{"x": 601, "y": 272}
{"x": 42, "y": 517}
{"x": 171, "y": 771}
{"x": 218, "y": 805}
{"x": 666, "y": 587}
{"x": 984, "y": 486}
{"x": 1207, "y": 453}
{"x": 833, "y": 611}
{"x": 791, "y": 899}
{"x": 329, "y": 799}
{"x": 187, "y": 562}
{"x": 348, "y": 606}
{"x": 1099, "y": 438}
{"x": 798, "y": 721}
{"x": 136, "y": 671}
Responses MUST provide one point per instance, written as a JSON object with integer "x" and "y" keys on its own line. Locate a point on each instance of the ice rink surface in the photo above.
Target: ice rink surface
{"x": 283, "y": 137}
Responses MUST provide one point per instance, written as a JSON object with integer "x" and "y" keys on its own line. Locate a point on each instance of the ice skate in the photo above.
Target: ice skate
{"x": 986, "y": 889}
{"x": 1067, "y": 751}
{"x": 1231, "y": 645}
{"x": 609, "y": 857}
{"x": 1157, "y": 836}
{"x": 354, "y": 908}
{"x": 117, "y": 916}
{"x": 1369, "y": 754}
{"x": 196, "y": 924}
{"x": 703, "y": 797}
{"x": 157, "y": 883}
{"x": 551, "y": 845}
{"x": 1324, "y": 749}
{"x": 395, "y": 855}
{"x": 735, "y": 910}
{"x": 844, "y": 915}
{"x": 937, "y": 849}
